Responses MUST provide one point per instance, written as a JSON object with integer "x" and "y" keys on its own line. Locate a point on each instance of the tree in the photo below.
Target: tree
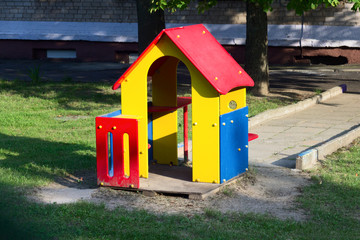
{"x": 256, "y": 59}
{"x": 256, "y": 48}
{"x": 150, "y": 24}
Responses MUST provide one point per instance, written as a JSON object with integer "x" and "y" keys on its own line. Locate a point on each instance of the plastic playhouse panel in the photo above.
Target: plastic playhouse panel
{"x": 126, "y": 156}
{"x": 164, "y": 93}
{"x": 233, "y": 100}
{"x": 111, "y": 158}
{"x": 209, "y": 57}
{"x": 112, "y": 114}
{"x": 134, "y": 102}
{"x": 205, "y": 129}
{"x": 233, "y": 143}
{"x": 252, "y": 136}
{"x": 118, "y": 127}
{"x": 134, "y": 89}
{"x": 165, "y": 137}
{"x": 204, "y": 52}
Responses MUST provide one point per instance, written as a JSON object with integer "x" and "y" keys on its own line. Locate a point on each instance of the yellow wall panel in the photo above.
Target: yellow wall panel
{"x": 205, "y": 128}
{"x": 164, "y": 81}
{"x": 134, "y": 102}
{"x": 168, "y": 48}
{"x": 165, "y": 137}
{"x": 164, "y": 93}
{"x": 233, "y": 100}
{"x": 126, "y": 154}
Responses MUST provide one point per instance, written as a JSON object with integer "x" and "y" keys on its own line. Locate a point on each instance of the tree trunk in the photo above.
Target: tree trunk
{"x": 256, "y": 51}
{"x": 149, "y": 24}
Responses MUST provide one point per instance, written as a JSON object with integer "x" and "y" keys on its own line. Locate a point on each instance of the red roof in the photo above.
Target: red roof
{"x": 206, "y": 54}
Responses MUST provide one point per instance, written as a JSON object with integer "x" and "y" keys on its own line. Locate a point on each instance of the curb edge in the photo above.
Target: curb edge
{"x": 310, "y": 158}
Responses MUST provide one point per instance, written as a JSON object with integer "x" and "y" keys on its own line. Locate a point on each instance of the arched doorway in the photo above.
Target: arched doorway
{"x": 169, "y": 91}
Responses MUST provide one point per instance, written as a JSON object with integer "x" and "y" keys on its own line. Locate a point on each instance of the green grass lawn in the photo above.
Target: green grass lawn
{"x": 261, "y": 104}
{"x": 47, "y": 130}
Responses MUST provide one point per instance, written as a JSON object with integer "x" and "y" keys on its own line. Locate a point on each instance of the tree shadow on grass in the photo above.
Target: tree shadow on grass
{"x": 27, "y": 162}
{"x": 70, "y": 96}
{"x": 31, "y": 161}
{"x": 21, "y": 218}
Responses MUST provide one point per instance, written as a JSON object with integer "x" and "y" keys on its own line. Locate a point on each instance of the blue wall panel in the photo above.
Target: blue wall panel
{"x": 233, "y": 143}
{"x": 112, "y": 114}
{"x": 150, "y": 137}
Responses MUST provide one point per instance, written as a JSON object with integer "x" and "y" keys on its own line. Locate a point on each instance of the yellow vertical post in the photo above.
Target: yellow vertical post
{"x": 205, "y": 128}
{"x": 134, "y": 102}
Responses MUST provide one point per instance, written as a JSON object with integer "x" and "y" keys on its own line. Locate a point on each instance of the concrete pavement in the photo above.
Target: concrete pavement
{"x": 282, "y": 139}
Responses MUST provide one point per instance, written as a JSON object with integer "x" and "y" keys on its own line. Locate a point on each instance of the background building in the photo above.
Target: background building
{"x": 106, "y": 30}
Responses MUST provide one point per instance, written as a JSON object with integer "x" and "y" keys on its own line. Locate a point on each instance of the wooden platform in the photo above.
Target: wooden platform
{"x": 175, "y": 180}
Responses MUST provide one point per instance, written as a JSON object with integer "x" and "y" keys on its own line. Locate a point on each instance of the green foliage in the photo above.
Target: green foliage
{"x": 303, "y": 5}
{"x": 173, "y": 5}
{"x": 318, "y": 91}
{"x": 34, "y": 74}
{"x": 265, "y": 4}
{"x": 356, "y": 5}
{"x": 300, "y": 6}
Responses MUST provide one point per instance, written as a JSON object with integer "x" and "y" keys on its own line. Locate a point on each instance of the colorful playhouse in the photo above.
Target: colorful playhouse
{"x": 128, "y": 139}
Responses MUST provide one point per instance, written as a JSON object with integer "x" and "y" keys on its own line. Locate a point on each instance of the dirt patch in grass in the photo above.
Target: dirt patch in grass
{"x": 269, "y": 191}
{"x": 273, "y": 191}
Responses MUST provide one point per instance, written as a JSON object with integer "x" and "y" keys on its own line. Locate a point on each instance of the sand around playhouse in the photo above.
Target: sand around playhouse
{"x": 264, "y": 190}
{"x": 270, "y": 191}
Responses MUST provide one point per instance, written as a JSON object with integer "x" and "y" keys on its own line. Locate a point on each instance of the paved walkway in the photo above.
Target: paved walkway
{"x": 281, "y": 140}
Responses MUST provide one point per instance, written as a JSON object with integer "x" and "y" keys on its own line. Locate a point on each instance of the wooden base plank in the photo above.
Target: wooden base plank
{"x": 176, "y": 180}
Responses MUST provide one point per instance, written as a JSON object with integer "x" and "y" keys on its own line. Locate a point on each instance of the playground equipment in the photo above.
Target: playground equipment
{"x": 128, "y": 139}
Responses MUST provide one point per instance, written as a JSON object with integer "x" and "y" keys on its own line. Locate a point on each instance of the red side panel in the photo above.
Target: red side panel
{"x": 252, "y": 136}
{"x": 117, "y": 126}
{"x": 210, "y": 58}
{"x": 181, "y": 102}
